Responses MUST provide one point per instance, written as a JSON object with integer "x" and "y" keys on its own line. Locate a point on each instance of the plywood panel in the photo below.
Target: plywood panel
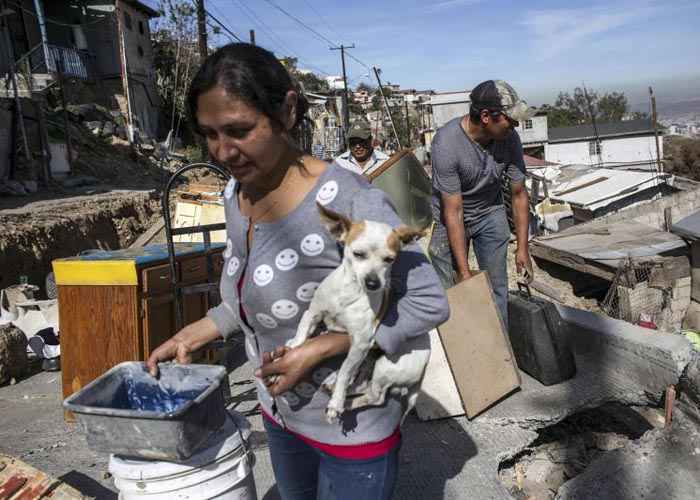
{"x": 99, "y": 329}
{"x": 477, "y": 347}
{"x": 439, "y": 397}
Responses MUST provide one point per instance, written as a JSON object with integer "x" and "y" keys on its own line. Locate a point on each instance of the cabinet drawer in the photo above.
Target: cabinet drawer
{"x": 193, "y": 270}
{"x": 157, "y": 279}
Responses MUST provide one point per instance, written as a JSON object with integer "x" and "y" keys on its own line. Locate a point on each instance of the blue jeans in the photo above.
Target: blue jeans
{"x": 489, "y": 237}
{"x": 305, "y": 473}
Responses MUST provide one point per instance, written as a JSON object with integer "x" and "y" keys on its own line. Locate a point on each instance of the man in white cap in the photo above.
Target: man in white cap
{"x": 470, "y": 157}
{"x": 361, "y": 158}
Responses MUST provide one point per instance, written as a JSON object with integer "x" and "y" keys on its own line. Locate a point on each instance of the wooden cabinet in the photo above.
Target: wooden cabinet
{"x": 117, "y": 306}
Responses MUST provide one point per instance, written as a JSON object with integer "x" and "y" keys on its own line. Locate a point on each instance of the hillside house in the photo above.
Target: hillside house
{"x": 617, "y": 143}
{"x": 101, "y": 47}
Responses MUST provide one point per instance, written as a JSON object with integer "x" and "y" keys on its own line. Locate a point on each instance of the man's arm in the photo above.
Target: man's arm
{"x": 453, "y": 213}
{"x": 521, "y": 208}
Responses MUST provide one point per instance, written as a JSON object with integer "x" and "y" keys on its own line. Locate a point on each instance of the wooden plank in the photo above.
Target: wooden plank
{"x": 580, "y": 186}
{"x": 98, "y": 330}
{"x": 439, "y": 397}
{"x": 145, "y": 238}
{"x": 570, "y": 260}
{"x": 477, "y": 347}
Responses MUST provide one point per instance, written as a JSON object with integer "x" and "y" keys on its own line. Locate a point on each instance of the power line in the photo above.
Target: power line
{"x": 300, "y": 22}
{"x": 223, "y": 26}
{"x": 310, "y": 29}
{"x": 277, "y": 41}
{"x": 221, "y": 14}
{"x": 322, "y": 19}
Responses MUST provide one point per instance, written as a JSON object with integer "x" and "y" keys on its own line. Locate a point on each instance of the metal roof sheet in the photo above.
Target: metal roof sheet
{"x": 611, "y": 129}
{"x": 599, "y": 187}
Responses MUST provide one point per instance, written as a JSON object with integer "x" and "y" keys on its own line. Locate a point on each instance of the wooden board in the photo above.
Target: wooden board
{"x": 477, "y": 347}
{"x": 20, "y": 480}
{"x": 100, "y": 327}
{"x": 439, "y": 397}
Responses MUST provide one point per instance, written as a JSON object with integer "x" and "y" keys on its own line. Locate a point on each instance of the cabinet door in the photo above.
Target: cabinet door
{"x": 194, "y": 307}
{"x": 159, "y": 321}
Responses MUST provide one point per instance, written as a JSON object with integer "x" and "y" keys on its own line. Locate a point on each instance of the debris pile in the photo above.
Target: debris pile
{"x": 563, "y": 451}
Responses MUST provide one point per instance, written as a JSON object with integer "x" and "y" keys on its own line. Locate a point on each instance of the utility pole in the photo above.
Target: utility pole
{"x": 386, "y": 104}
{"x": 408, "y": 123}
{"x": 659, "y": 163}
{"x": 346, "y": 117}
{"x": 598, "y": 150}
{"x": 202, "y": 29}
{"x": 252, "y": 37}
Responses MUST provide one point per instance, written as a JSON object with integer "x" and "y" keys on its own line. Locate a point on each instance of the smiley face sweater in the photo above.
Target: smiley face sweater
{"x": 277, "y": 278}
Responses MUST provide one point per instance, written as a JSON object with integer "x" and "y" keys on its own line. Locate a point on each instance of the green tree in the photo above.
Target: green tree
{"x": 175, "y": 61}
{"x": 612, "y": 107}
{"x": 308, "y": 80}
{"x": 581, "y": 107}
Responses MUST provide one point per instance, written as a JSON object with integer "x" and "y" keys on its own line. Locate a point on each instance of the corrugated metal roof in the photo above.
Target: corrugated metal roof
{"x": 602, "y": 186}
{"x": 611, "y": 129}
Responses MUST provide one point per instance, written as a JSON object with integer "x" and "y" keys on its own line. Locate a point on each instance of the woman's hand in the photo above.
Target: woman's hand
{"x": 181, "y": 346}
{"x": 283, "y": 368}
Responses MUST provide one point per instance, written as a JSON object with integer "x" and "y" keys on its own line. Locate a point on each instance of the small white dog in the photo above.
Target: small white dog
{"x": 343, "y": 301}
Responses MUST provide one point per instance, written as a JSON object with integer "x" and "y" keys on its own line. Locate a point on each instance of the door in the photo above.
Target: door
{"x": 159, "y": 321}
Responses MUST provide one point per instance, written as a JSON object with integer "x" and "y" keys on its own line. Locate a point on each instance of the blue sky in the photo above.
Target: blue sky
{"x": 539, "y": 46}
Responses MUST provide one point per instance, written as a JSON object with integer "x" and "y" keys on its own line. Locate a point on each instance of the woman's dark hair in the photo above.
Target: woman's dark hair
{"x": 250, "y": 73}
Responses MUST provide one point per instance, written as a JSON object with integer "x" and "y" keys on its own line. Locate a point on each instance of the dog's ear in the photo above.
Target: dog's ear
{"x": 336, "y": 224}
{"x": 408, "y": 235}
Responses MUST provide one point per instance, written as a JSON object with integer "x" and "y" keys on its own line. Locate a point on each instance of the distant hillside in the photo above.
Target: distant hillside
{"x": 673, "y": 110}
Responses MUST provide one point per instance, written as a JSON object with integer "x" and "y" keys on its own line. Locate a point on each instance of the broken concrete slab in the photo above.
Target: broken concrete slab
{"x": 690, "y": 386}
{"x": 650, "y": 359}
{"x": 663, "y": 464}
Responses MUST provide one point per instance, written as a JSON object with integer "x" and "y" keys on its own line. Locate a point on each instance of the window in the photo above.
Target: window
{"x": 141, "y": 27}
{"x": 140, "y": 51}
{"x": 127, "y": 20}
{"x": 594, "y": 148}
{"x": 527, "y": 125}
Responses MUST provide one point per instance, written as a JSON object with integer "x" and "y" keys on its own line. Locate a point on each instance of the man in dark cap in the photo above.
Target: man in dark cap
{"x": 362, "y": 158}
{"x": 470, "y": 157}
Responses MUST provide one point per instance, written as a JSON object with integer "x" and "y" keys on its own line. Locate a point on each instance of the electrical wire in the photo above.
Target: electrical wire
{"x": 277, "y": 41}
{"x": 223, "y": 16}
{"x": 315, "y": 33}
{"x": 321, "y": 18}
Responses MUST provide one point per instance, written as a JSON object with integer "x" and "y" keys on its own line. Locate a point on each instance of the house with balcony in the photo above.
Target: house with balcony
{"x": 100, "y": 49}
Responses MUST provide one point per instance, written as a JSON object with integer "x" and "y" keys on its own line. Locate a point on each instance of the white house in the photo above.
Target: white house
{"x": 335, "y": 82}
{"x": 533, "y": 132}
{"x": 617, "y": 143}
{"x": 448, "y": 105}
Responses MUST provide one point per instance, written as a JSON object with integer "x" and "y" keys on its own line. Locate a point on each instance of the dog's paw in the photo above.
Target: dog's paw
{"x": 333, "y": 413}
{"x": 292, "y": 343}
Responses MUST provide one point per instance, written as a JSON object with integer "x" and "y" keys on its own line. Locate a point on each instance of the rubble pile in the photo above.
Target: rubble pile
{"x": 565, "y": 450}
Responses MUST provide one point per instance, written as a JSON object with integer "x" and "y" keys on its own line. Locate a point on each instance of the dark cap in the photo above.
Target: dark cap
{"x": 360, "y": 130}
{"x": 497, "y": 95}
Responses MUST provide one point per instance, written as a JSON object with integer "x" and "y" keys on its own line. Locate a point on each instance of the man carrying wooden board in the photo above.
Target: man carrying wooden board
{"x": 470, "y": 156}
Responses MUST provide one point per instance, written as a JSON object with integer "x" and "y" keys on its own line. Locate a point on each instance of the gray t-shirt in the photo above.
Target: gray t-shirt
{"x": 460, "y": 165}
{"x": 274, "y": 283}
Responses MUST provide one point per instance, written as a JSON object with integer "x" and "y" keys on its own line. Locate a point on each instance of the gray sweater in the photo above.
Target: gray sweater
{"x": 287, "y": 260}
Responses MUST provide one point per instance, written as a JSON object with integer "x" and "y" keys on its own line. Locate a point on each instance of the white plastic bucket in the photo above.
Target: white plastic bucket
{"x": 222, "y": 471}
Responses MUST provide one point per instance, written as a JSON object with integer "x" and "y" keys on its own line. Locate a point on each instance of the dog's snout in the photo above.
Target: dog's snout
{"x": 372, "y": 282}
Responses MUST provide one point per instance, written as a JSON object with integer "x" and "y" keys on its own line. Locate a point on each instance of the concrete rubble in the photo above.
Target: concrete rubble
{"x": 618, "y": 364}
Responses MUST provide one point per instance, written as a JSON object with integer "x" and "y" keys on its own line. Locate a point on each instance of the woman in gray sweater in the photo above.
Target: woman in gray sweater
{"x": 246, "y": 106}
